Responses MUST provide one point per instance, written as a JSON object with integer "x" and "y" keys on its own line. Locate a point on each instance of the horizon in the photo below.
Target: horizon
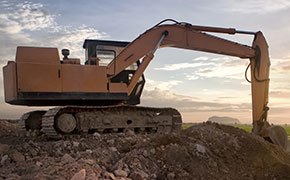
{"x": 199, "y": 85}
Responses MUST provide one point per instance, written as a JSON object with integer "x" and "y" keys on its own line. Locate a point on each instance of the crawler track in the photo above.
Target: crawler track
{"x": 62, "y": 121}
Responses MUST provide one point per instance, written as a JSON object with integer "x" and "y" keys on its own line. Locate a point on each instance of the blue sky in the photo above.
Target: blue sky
{"x": 199, "y": 84}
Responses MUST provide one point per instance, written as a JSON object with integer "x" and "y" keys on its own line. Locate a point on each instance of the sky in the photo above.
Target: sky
{"x": 199, "y": 85}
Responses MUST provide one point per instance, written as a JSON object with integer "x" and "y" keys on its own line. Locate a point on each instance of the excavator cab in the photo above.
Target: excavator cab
{"x": 102, "y": 52}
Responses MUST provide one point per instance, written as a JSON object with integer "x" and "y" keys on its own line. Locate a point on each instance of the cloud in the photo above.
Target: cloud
{"x": 168, "y": 85}
{"x": 29, "y": 23}
{"x": 18, "y": 17}
{"x": 201, "y": 58}
{"x": 205, "y": 67}
{"x": 191, "y": 77}
{"x": 161, "y": 98}
{"x": 73, "y": 38}
{"x": 222, "y": 72}
{"x": 281, "y": 65}
{"x": 178, "y": 66}
{"x": 32, "y": 16}
{"x": 286, "y": 68}
{"x": 280, "y": 70}
{"x": 196, "y": 62}
{"x": 196, "y": 109}
{"x": 257, "y": 6}
{"x": 226, "y": 68}
{"x": 280, "y": 94}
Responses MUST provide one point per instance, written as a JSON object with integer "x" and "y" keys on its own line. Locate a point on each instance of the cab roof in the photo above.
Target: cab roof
{"x": 94, "y": 42}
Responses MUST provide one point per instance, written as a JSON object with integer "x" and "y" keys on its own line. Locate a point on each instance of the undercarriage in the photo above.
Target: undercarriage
{"x": 67, "y": 120}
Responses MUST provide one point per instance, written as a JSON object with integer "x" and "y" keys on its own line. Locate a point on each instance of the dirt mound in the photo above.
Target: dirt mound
{"x": 8, "y": 128}
{"x": 203, "y": 151}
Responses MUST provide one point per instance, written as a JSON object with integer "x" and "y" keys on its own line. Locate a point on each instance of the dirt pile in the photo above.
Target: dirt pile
{"x": 8, "y": 128}
{"x": 204, "y": 151}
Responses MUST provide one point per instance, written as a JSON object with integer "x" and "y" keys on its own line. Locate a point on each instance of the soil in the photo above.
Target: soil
{"x": 203, "y": 151}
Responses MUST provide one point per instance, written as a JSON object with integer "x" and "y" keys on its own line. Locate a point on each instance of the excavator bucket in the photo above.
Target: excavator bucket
{"x": 278, "y": 136}
{"x": 272, "y": 133}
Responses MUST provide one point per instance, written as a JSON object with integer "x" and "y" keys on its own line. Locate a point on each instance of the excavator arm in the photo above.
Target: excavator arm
{"x": 187, "y": 36}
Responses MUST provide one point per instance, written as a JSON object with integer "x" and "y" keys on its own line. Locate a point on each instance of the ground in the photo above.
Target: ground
{"x": 202, "y": 151}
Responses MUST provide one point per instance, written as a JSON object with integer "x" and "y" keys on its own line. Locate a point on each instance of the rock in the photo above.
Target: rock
{"x": 111, "y": 142}
{"x": 234, "y": 142}
{"x": 81, "y": 175}
{"x": 34, "y": 133}
{"x": 170, "y": 176}
{"x": 67, "y": 159}
{"x": 153, "y": 151}
{"x": 126, "y": 168}
{"x": 17, "y": 156}
{"x": 120, "y": 173}
{"x": 4, "y": 159}
{"x": 89, "y": 151}
{"x": 89, "y": 161}
{"x": 139, "y": 175}
{"x": 13, "y": 177}
{"x": 38, "y": 164}
{"x": 4, "y": 148}
{"x": 200, "y": 148}
{"x": 76, "y": 144}
{"x": 213, "y": 164}
{"x": 97, "y": 134}
{"x": 114, "y": 149}
{"x": 67, "y": 143}
{"x": 145, "y": 153}
{"x": 109, "y": 175}
{"x": 33, "y": 152}
{"x": 130, "y": 133}
{"x": 41, "y": 176}
{"x": 92, "y": 176}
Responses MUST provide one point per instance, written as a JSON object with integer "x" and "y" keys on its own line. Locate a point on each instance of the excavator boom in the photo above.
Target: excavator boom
{"x": 181, "y": 36}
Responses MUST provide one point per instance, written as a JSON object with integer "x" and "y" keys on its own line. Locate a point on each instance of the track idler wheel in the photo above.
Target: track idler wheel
{"x": 66, "y": 123}
{"x": 31, "y": 122}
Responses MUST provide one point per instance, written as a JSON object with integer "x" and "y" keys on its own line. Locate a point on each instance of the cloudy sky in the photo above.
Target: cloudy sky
{"x": 198, "y": 84}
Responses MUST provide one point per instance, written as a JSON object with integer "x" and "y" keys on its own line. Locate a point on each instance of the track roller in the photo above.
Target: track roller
{"x": 66, "y": 123}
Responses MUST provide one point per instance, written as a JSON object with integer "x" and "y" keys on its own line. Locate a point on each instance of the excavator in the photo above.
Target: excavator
{"x": 101, "y": 95}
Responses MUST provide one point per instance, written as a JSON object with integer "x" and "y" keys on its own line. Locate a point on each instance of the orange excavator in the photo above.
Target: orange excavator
{"x": 101, "y": 95}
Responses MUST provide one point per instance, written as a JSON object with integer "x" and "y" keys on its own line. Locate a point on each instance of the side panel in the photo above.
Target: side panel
{"x": 38, "y": 77}
{"x": 118, "y": 88}
{"x": 10, "y": 85}
{"x": 39, "y": 55}
{"x": 77, "y": 78}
